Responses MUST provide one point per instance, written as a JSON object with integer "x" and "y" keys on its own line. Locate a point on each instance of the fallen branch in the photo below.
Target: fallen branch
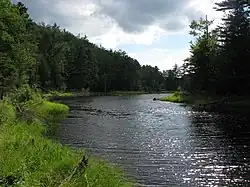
{"x": 82, "y": 164}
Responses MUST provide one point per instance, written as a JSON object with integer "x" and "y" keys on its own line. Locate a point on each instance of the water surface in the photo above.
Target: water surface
{"x": 159, "y": 143}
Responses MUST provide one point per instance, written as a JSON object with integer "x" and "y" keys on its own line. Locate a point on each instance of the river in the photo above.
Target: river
{"x": 159, "y": 143}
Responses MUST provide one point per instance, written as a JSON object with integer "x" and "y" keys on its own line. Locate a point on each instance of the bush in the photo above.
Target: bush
{"x": 24, "y": 94}
{"x": 177, "y": 97}
{"x": 7, "y": 112}
{"x": 59, "y": 94}
{"x": 51, "y": 110}
{"x": 27, "y": 158}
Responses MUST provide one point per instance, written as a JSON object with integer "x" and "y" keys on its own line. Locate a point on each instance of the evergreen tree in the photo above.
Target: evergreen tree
{"x": 234, "y": 37}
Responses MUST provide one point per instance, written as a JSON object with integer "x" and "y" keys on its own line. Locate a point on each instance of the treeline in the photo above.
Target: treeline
{"x": 51, "y": 58}
{"x": 219, "y": 62}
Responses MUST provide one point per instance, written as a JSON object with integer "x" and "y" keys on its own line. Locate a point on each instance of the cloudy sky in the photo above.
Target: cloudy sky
{"x": 154, "y": 32}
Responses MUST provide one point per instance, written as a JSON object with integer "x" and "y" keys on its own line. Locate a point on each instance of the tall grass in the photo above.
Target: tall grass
{"x": 59, "y": 94}
{"x": 33, "y": 160}
{"x": 131, "y": 93}
{"x": 126, "y": 93}
{"x": 52, "y": 110}
{"x": 177, "y": 97}
{"x": 7, "y": 112}
{"x": 27, "y": 158}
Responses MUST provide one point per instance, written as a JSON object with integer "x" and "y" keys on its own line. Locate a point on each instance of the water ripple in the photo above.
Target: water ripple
{"x": 162, "y": 144}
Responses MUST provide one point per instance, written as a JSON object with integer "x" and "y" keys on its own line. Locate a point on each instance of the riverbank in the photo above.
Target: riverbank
{"x": 131, "y": 93}
{"x": 28, "y": 158}
{"x": 56, "y": 94}
{"x": 176, "y": 97}
{"x": 232, "y": 103}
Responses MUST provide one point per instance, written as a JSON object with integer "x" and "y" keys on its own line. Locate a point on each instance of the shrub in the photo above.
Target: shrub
{"x": 177, "y": 97}
{"x": 24, "y": 94}
{"x": 7, "y": 112}
{"x": 52, "y": 110}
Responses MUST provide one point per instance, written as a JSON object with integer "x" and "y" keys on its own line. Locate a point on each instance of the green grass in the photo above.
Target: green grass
{"x": 31, "y": 159}
{"x": 52, "y": 110}
{"x": 59, "y": 94}
{"x": 211, "y": 102}
{"x": 177, "y": 97}
{"x": 129, "y": 93}
{"x": 197, "y": 99}
{"x": 43, "y": 162}
{"x": 7, "y": 112}
{"x": 126, "y": 93}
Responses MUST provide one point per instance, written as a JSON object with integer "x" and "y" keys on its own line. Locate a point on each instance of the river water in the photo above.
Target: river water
{"x": 159, "y": 143}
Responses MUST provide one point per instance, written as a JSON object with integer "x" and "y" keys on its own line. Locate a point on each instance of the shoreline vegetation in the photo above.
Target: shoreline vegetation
{"x": 56, "y": 94}
{"x": 131, "y": 93}
{"x": 176, "y": 97}
{"x": 201, "y": 101}
{"x": 29, "y": 158}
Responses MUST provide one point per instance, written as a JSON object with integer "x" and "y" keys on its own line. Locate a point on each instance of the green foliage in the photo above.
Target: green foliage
{"x": 29, "y": 106}
{"x": 52, "y": 110}
{"x": 59, "y": 94}
{"x": 7, "y": 113}
{"x": 177, "y": 97}
{"x": 218, "y": 63}
{"x": 172, "y": 78}
{"x": 16, "y": 49}
{"x": 101, "y": 174}
{"x": 126, "y": 93}
{"x": 235, "y": 46}
{"x": 24, "y": 94}
{"x": 54, "y": 59}
{"x": 36, "y": 161}
{"x": 67, "y": 62}
{"x": 31, "y": 159}
{"x": 26, "y": 154}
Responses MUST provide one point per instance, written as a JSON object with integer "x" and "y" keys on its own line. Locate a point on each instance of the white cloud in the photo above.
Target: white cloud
{"x": 105, "y": 22}
{"x": 163, "y": 58}
{"x": 115, "y": 36}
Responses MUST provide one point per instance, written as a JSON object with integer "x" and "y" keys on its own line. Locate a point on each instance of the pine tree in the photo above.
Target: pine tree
{"x": 234, "y": 37}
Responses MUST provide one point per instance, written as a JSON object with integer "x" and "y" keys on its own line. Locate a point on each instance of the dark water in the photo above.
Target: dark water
{"x": 162, "y": 144}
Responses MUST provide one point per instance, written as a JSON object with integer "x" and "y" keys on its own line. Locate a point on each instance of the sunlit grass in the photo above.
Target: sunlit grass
{"x": 52, "y": 110}
{"x": 37, "y": 161}
{"x": 59, "y": 94}
{"x": 175, "y": 98}
{"x": 126, "y": 93}
{"x": 7, "y": 112}
{"x": 28, "y": 158}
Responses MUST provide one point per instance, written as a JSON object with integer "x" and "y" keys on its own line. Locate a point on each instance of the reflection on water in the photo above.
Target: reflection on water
{"x": 161, "y": 144}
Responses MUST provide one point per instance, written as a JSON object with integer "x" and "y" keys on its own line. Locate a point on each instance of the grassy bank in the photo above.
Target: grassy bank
{"x": 192, "y": 99}
{"x": 28, "y": 158}
{"x": 59, "y": 94}
{"x": 56, "y": 94}
{"x": 177, "y": 97}
{"x": 201, "y": 101}
{"x": 128, "y": 93}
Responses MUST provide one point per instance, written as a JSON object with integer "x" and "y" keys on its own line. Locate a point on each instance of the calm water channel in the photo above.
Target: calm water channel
{"x": 161, "y": 144}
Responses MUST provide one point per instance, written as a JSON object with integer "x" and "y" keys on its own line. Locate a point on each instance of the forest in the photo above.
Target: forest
{"x": 52, "y": 58}
{"x": 37, "y": 57}
{"x": 219, "y": 61}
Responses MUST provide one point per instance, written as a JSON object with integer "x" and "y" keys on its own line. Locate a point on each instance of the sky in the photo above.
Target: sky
{"x": 154, "y": 32}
